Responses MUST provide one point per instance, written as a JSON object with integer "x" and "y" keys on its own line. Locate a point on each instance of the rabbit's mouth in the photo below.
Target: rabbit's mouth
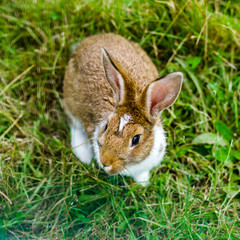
{"x": 111, "y": 165}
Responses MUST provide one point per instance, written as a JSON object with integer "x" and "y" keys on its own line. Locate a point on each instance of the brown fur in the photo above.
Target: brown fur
{"x": 88, "y": 96}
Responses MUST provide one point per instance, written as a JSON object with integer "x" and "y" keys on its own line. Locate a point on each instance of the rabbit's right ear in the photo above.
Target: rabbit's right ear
{"x": 161, "y": 93}
{"x": 113, "y": 76}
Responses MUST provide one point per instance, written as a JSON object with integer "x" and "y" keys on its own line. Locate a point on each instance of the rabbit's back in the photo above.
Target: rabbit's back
{"x": 87, "y": 94}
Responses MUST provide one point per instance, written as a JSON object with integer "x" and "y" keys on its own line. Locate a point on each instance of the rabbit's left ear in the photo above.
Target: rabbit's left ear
{"x": 113, "y": 76}
{"x": 162, "y": 93}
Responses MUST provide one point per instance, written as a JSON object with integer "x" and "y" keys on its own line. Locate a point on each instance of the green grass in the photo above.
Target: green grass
{"x": 47, "y": 193}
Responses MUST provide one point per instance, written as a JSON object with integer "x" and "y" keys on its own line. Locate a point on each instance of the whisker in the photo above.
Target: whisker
{"x": 122, "y": 175}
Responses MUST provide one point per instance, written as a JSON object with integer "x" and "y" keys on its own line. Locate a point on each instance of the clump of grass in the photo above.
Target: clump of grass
{"x": 47, "y": 193}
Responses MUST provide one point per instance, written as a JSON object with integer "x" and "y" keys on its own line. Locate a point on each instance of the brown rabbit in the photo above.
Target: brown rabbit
{"x": 112, "y": 94}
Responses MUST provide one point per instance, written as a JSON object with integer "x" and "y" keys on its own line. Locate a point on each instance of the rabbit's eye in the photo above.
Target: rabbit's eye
{"x": 135, "y": 140}
{"x": 106, "y": 126}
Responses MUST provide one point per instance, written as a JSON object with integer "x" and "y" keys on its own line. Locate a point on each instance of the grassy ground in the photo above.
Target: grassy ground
{"x": 47, "y": 193}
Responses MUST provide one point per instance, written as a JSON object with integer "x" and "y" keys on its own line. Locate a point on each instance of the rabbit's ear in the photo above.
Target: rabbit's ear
{"x": 162, "y": 93}
{"x": 113, "y": 76}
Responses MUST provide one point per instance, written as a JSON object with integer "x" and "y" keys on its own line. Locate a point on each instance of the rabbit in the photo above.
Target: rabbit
{"x": 113, "y": 98}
